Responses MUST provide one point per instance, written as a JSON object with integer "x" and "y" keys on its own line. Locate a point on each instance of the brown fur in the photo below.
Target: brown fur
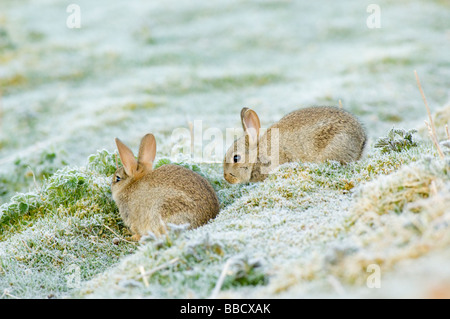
{"x": 314, "y": 134}
{"x": 149, "y": 199}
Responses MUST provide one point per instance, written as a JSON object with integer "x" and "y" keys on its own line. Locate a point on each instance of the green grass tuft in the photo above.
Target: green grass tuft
{"x": 397, "y": 140}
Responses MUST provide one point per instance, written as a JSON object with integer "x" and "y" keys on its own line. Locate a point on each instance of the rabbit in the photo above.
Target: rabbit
{"x": 313, "y": 134}
{"x": 149, "y": 199}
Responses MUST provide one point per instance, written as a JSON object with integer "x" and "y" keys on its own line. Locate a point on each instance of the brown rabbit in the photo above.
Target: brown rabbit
{"x": 314, "y": 134}
{"x": 149, "y": 199}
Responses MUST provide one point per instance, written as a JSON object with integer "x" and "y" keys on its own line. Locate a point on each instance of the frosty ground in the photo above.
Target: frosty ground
{"x": 309, "y": 230}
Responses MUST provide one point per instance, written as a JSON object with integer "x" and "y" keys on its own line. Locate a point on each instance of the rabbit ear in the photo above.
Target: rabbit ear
{"x": 251, "y": 124}
{"x": 244, "y": 109}
{"x": 127, "y": 158}
{"x": 147, "y": 150}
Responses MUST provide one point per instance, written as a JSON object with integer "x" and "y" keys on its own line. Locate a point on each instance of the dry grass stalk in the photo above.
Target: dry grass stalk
{"x": 434, "y": 139}
{"x": 433, "y": 188}
{"x": 430, "y": 126}
{"x": 340, "y": 104}
{"x": 144, "y": 277}
{"x": 119, "y": 237}
{"x": 144, "y": 274}
{"x": 6, "y": 293}
{"x": 221, "y": 279}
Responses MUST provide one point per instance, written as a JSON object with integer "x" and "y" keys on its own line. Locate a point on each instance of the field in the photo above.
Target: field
{"x": 379, "y": 227}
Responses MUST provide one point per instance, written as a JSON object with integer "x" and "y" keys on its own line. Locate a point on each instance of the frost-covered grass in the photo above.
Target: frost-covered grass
{"x": 394, "y": 220}
{"x": 139, "y": 67}
{"x": 304, "y": 224}
{"x": 69, "y": 220}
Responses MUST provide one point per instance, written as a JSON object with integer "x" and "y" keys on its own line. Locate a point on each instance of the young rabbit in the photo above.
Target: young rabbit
{"x": 313, "y": 134}
{"x": 149, "y": 199}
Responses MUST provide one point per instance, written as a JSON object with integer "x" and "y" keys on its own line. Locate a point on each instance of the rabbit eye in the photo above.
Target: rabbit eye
{"x": 118, "y": 179}
{"x": 236, "y": 158}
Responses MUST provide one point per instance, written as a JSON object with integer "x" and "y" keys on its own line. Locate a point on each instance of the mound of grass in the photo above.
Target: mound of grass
{"x": 393, "y": 218}
{"x": 398, "y": 217}
{"x": 282, "y": 219}
{"x": 69, "y": 228}
{"x": 68, "y": 236}
{"x": 67, "y": 224}
{"x": 191, "y": 264}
